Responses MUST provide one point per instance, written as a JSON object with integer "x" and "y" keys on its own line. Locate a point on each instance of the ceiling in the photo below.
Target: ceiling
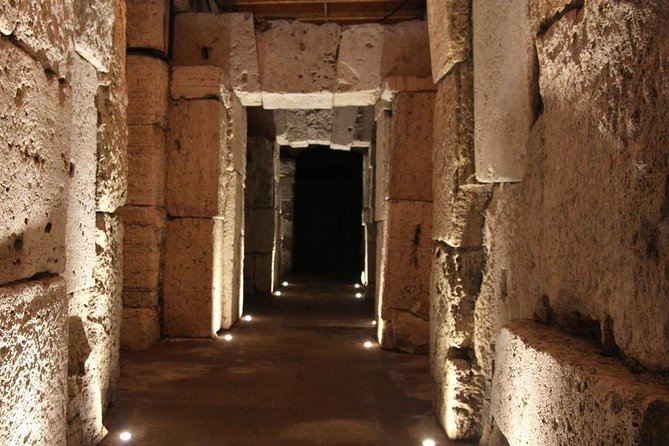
{"x": 320, "y": 11}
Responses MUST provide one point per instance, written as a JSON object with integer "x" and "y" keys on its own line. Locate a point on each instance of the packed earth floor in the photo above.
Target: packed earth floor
{"x": 297, "y": 373}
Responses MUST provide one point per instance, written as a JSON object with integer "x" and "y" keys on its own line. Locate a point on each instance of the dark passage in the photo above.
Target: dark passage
{"x": 328, "y": 203}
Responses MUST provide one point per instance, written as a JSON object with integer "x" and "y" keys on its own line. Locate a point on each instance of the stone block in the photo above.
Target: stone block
{"x": 449, "y": 24}
{"x": 148, "y": 24}
{"x": 94, "y": 31}
{"x": 406, "y": 50}
{"x": 142, "y": 246}
{"x": 459, "y": 400}
{"x": 263, "y": 268}
{"x": 259, "y": 233}
{"x": 551, "y": 388}
{"x": 44, "y": 29}
{"x": 147, "y": 90}
{"x": 141, "y": 328}
{"x": 34, "y": 176}
{"x": 262, "y": 166}
{"x": 80, "y": 225}
{"x": 408, "y": 257}
{"x": 298, "y": 64}
{"x": 33, "y": 362}
{"x": 359, "y": 65}
{"x": 410, "y": 147}
{"x": 411, "y": 333}
{"x": 343, "y": 127}
{"x": 302, "y": 128}
{"x": 503, "y": 88}
{"x": 224, "y": 40}
{"x": 461, "y": 224}
{"x": 197, "y": 155}
{"x": 230, "y": 259}
{"x": 146, "y": 167}
{"x": 363, "y": 129}
{"x": 192, "y": 249}
{"x": 200, "y": 82}
{"x": 112, "y": 103}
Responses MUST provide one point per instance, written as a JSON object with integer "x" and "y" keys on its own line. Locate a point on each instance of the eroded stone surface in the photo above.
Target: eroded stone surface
{"x": 33, "y": 373}
{"x": 450, "y": 34}
{"x": 94, "y": 31}
{"x": 550, "y": 388}
{"x": 36, "y": 112}
{"x": 146, "y": 165}
{"x": 141, "y": 328}
{"x": 147, "y": 90}
{"x": 359, "y": 65}
{"x": 148, "y": 24}
{"x": 199, "y": 82}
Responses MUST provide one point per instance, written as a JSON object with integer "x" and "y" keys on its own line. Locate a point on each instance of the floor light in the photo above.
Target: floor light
{"x": 368, "y": 344}
{"x": 125, "y": 436}
{"x": 429, "y": 442}
{"x": 228, "y": 337}
{"x": 248, "y": 318}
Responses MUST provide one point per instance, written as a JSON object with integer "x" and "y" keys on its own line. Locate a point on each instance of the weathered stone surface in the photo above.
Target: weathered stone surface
{"x": 200, "y": 82}
{"x": 197, "y": 157}
{"x": 459, "y": 400}
{"x": 147, "y": 90}
{"x": 259, "y": 233}
{"x": 94, "y": 31}
{"x": 343, "y": 127}
{"x": 34, "y": 177}
{"x": 449, "y": 24}
{"x": 302, "y": 128}
{"x": 141, "y": 328}
{"x": 144, "y": 234}
{"x": 550, "y": 388}
{"x": 461, "y": 224}
{"x": 410, "y": 149}
{"x": 262, "y": 277}
{"x": 406, "y": 50}
{"x": 224, "y": 40}
{"x": 408, "y": 248}
{"x": 359, "y": 65}
{"x": 44, "y": 29}
{"x": 384, "y": 141}
{"x": 299, "y": 59}
{"x": 80, "y": 225}
{"x": 504, "y": 67}
{"x": 192, "y": 249}
{"x": 411, "y": 333}
{"x": 261, "y": 174}
{"x": 146, "y": 165}
{"x": 112, "y": 102}
{"x": 231, "y": 256}
{"x": 363, "y": 129}
{"x": 148, "y": 24}
{"x": 33, "y": 365}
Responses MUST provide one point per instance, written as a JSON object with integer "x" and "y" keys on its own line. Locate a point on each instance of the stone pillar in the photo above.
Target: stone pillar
{"x": 287, "y": 188}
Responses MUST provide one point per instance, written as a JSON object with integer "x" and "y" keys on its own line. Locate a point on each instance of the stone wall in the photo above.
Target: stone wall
{"x": 63, "y": 96}
{"x": 559, "y": 108}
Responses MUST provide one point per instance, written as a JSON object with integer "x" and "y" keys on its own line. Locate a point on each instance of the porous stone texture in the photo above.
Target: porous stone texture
{"x": 227, "y": 41}
{"x": 199, "y": 82}
{"x": 146, "y": 165}
{"x": 147, "y": 90}
{"x": 95, "y": 322}
{"x": 302, "y": 128}
{"x": 262, "y": 159}
{"x": 297, "y": 58}
{"x": 44, "y": 29}
{"x": 80, "y": 225}
{"x": 94, "y": 31}
{"x": 287, "y": 201}
{"x": 450, "y": 34}
{"x": 359, "y": 65}
{"x": 33, "y": 365}
{"x": 406, "y": 50}
{"x": 504, "y": 67}
{"x": 192, "y": 249}
{"x": 141, "y": 328}
{"x": 142, "y": 245}
{"x": 34, "y": 177}
{"x": 148, "y": 24}
{"x": 232, "y": 254}
{"x": 458, "y": 401}
{"x": 112, "y": 102}
{"x": 343, "y": 127}
{"x": 550, "y": 388}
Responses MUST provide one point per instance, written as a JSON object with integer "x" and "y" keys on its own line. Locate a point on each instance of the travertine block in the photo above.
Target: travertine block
{"x": 34, "y": 176}
{"x": 410, "y": 149}
{"x": 407, "y": 247}
{"x": 146, "y": 167}
{"x": 231, "y": 256}
{"x": 504, "y": 64}
{"x": 297, "y": 64}
{"x": 262, "y": 167}
{"x": 461, "y": 224}
{"x": 359, "y": 65}
{"x": 148, "y": 24}
{"x": 147, "y": 90}
{"x": 80, "y": 225}
{"x": 460, "y": 400}
{"x": 144, "y": 234}
{"x": 259, "y": 233}
{"x": 223, "y": 40}
{"x": 33, "y": 365}
{"x": 94, "y": 31}
{"x": 411, "y": 333}
{"x": 550, "y": 388}
{"x": 343, "y": 127}
{"x": 406, "y": 50}
{"x": 200, "y": 82}
{"x": 45, "y": 29}
{"x": 141, "y": 328}
{"x": 302, "y": 128}
{"x": 112, "y": 102}
{"x": 263, "y": 278}
{"x": 192, "y": 250}
{"x": 449, "y": 24}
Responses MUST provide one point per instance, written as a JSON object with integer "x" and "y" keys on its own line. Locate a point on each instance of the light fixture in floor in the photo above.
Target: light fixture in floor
{"x": 373, "y": 323}
{"x": 277, "y": 293}
{"x": 284, "y": 283}
{"x": 429, "y": 442}
{"x": 358, "y": 295}
{"x": 248, "y": 318}
{"x": 357, "y": 285}
{"x": 368, "y": 344}
{"x": 228, "y": 337}
{"x": 125, "y": 436}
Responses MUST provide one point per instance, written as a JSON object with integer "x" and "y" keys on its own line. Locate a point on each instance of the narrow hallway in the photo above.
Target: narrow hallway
{"x": 296, "y": 374}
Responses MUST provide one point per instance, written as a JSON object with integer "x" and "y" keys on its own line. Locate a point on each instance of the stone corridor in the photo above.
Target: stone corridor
{"x": 297, "y": 374}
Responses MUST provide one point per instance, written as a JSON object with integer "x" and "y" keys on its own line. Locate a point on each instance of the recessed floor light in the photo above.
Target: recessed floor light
{"x": 284, "y": 283}
{"x": 368, "y": 344}
{"x": 125, "y": 436}
{"x": 429, "y": 442}
{"x": 277, "y": 293}
{"x": 358, "y": 295}
{"x": 373, "y": 323}
{"x": 228, "y": 337}
{"x": 248, "y": 318}
{"x": 357, "y": 285}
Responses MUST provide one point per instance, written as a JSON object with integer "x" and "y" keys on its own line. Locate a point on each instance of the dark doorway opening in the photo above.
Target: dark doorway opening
{"x": 328, "y": 208}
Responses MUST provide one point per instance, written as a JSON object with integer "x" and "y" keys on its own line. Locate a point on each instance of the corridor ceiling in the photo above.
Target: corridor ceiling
{"x": 321, "y": 11}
